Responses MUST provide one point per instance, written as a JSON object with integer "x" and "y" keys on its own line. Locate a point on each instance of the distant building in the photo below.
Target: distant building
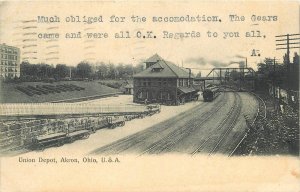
{"x": 10, "y": 62}
{"x": 163, "y": 82}
{"x": 128, "y": 89}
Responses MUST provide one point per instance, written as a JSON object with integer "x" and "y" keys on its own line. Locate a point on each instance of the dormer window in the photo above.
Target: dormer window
{"x": 157, "y": 69}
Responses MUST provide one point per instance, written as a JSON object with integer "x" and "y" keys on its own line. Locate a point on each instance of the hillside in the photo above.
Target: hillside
{"x": 10, "y": 94}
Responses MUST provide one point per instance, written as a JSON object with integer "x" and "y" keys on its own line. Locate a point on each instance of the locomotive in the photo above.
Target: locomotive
{"x": 210, "y": 93}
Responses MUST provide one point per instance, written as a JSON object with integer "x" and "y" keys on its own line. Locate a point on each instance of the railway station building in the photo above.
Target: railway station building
{"x": 9, "y": 62}
{"x": 163, "y": 82}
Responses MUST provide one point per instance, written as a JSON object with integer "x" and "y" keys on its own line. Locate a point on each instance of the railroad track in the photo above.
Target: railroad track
{"x": 177, "y": 135}
{"x": 131, "y": 140}
{"x": 261, "y": 113}
{"x": 214, "y": 140}
{"x": 159, "y": 146}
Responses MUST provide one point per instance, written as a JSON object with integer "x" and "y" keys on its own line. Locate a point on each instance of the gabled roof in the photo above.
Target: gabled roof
{"x": 169, "y": 70}
{"x": 154, "y": 58}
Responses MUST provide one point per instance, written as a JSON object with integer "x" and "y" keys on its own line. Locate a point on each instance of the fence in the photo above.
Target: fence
{"x": 36, "y": 109}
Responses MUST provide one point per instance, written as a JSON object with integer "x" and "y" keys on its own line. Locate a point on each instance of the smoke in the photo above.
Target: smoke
{"x": 199, "y": 60}
{"x": 240, "y": 56}
{"x": 202, "y": 61}
{"x": 215, "y": 63}
{"x": 219, "y": 64}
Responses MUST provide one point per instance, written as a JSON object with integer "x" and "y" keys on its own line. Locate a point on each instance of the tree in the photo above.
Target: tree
{"x": 102, "y": 71}
{"x": 138, "y": 68}
{"x": 120, "y": 70}
{"x": 112, "y": 71}
{"x": 84, "y": 70}
{"x": 270, "y": 73}
{"x": 128, "y": 70}
{"x": 45, "y": 71}
{"x": 61, "y": 71}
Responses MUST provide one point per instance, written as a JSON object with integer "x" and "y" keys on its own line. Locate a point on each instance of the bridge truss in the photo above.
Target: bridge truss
{"x": 237, "y": 78}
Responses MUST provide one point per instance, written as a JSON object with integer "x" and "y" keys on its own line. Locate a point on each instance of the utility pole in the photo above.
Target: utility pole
{"x": 70, "y": 72}
{"x": 288, "y": 43}
{"x": 273, "y": 82}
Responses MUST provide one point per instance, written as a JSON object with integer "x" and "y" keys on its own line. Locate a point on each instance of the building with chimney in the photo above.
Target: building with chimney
{"x": 163, "y": 82}
{"x": 9, "y": 62}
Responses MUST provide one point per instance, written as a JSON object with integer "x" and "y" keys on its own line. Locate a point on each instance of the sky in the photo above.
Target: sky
{"x": 18, "y": 27}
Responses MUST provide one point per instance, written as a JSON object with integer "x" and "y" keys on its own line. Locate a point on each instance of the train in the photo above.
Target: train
{"x": 210, "y": 93}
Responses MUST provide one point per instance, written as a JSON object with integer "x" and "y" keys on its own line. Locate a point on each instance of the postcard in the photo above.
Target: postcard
{"x": 149, "y": 95}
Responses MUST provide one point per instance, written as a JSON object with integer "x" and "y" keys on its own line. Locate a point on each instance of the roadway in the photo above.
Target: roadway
{"x": 211, "y": 128}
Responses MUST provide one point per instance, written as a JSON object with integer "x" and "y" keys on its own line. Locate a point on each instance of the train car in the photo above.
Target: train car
{"x": 152, "y": 109}
{"x": 43, "y": 141}
{"x": 114, "y": 121}
{"x": 209, "y": 94}
{"x": 80, "y": 134}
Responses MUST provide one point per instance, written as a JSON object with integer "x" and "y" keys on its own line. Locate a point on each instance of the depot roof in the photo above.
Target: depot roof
{"x": 163, "y": 69}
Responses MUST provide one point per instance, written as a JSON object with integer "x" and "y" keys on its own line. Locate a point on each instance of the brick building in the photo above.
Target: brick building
{"x": 9, "y": 62}
{"x": 163, "y": 82}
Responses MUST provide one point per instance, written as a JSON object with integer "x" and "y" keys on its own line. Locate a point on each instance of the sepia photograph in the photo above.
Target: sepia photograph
{"x": 149, "y": 96}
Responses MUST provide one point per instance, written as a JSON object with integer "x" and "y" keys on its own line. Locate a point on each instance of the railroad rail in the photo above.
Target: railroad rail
{"x": 261, "y": 111}
{"x": 228, "y": 122}
{"x": 168, "y": 141}
{"x": 138, "y": 138}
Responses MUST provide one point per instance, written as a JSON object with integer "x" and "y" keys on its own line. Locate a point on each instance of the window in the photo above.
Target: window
{"x": 156, "y": 69}
{"x": 165, "y": 82}
{"x": 186, "y": 82}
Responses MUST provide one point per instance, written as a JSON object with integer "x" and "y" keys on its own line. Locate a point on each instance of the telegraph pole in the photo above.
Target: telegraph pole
{"x": 272, "y": 62}
{"x": 288, "y": 43}
{"x": 274, "y": 97}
